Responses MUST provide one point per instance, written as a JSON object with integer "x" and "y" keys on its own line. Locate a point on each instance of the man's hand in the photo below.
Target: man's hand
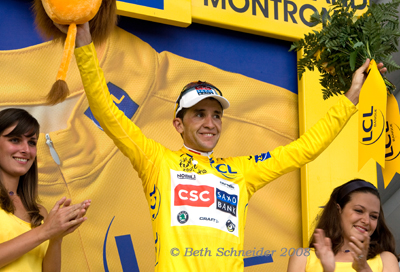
{"x": 359, "y": 77}
{"x": 83, "y": 36}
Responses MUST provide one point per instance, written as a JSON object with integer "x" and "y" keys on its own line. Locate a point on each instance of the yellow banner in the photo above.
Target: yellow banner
{"x": 392, "y": 158}
{"x": 287, "y": 19}
{"x": 372, "y": 118}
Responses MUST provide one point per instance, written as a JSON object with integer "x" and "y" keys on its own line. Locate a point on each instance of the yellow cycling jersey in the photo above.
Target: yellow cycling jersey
{"x": 198, "y": 203}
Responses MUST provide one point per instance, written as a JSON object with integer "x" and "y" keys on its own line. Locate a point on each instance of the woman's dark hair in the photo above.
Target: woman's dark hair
{"x": 27, "y": 189}
{"x": 330, "y": 220}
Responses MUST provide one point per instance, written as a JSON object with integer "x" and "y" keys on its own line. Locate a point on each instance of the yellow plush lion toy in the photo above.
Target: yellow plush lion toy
{"x": 101, "y": 15}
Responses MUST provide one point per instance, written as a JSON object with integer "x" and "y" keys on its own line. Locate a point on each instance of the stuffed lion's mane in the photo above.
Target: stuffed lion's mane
{"x": 100, "y": 27}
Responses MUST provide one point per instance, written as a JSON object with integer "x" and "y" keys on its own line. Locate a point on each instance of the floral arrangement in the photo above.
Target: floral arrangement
{"x": 346, "y": 41}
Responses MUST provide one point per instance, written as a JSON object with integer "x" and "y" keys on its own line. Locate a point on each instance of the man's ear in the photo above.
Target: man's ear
{"x": 178, "y": 124}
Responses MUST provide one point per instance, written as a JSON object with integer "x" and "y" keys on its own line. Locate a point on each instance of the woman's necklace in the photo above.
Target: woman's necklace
{"x": 11, "y": 193}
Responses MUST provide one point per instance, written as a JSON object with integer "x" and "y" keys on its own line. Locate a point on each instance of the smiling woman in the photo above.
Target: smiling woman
{"x": 18, "y": 139}
{"x": 24, "y": 244}
{"x": 351, "y": 234}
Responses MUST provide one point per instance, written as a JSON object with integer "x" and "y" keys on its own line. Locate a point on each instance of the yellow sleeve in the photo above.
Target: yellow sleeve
{"x": 143, "y": 153}
{"x": 264, "y": 168}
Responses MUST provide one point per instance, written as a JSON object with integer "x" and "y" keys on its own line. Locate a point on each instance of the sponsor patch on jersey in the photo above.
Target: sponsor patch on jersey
{"x": 183, "y": 217}
{"x": 186, "y": 163}
{"x": 230, "y": 226}
{"x": 226, "y": 202}
{"x": 155, "y": 202}
{"x": 226, "y": 184}
{"x": 186, "y": 176}
{"x": 207, "y": 201}
{"x": 262, "y": 157}
{"x": 209, "y": 219}
{"x": 224, "y": 169}
{"x": 194, "y": 195}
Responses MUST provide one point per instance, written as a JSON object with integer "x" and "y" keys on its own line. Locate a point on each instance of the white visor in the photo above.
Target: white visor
{"x": 194, "y": 95}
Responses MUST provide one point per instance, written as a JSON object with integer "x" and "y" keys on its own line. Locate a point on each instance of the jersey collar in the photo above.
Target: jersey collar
{"x": 206, "y": 154}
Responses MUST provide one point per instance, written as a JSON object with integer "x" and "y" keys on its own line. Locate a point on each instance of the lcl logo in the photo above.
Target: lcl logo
{"x": 194, "y": 195}
{"x": 373, "y": 126}
{"x": 391, "y": 131}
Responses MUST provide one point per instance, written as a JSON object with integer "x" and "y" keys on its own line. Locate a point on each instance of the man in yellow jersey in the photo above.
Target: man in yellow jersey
{"x": 198, "y": 202}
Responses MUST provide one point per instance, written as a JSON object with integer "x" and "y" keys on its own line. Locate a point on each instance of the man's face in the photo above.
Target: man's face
{"x": 201, "y": 125}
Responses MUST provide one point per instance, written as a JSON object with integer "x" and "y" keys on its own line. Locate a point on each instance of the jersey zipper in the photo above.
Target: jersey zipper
{"x": 53, "y": 152}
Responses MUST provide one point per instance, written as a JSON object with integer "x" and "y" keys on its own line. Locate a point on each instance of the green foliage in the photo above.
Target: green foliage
{"x": 346, "y": 41}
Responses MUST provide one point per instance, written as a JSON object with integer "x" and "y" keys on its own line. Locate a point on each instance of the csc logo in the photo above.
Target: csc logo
{"x": 372, "y": 126}
{"x": 192, "y": 195}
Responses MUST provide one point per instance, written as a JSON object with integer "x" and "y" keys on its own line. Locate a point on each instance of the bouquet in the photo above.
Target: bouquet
{"x": 346, "y": 41}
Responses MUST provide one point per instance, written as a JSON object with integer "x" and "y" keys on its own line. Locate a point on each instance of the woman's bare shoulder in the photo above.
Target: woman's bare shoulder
{"x": 297, "y": 263}
{"x": 390, "y": 262}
